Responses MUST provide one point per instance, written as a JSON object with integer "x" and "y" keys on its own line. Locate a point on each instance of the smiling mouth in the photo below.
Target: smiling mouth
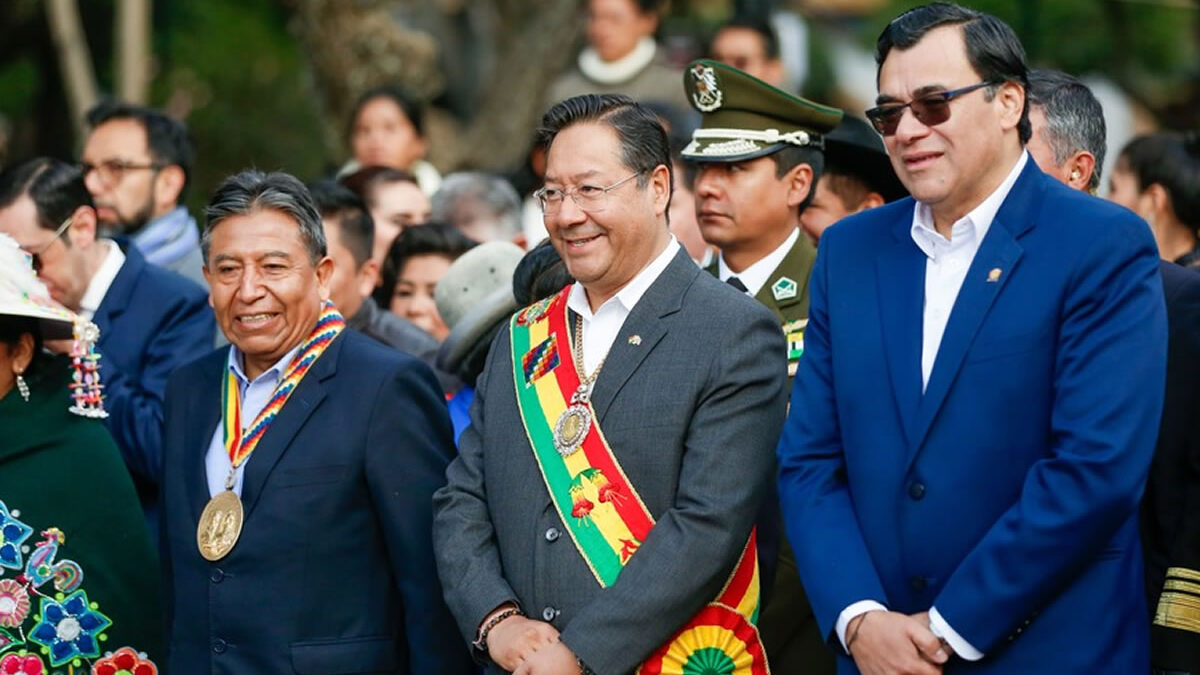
{"x": 252, "y": 320}
{"x": 918, "y": 160}
{"x": 580, "y": 243}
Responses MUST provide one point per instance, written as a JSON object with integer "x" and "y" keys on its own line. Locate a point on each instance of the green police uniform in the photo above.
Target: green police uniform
{"x": 743, "y": 118}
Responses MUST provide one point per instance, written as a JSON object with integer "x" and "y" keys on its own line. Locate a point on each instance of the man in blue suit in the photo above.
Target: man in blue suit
{"x": 300, "y": 468}
{"x": 975, "y": 412}
{"x": 151, "y": 320}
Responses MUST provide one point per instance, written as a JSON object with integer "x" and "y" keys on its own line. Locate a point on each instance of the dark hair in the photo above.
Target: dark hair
{"x": 644, "y": 145}
{"x": 252, "y": 190}
{"x": 338, "y": 204}
{"x": 1171, "y": 160}
{"x": 540, "y": 274}
{"x": 1074, "y": 118}
{"x": 166, "y": 136}
{"x": 993, "y": 49}
{"x": 407, "y": 104}
{"x": 366, "y": 181}
{"x": 496, "y": 195}
{"x": 56, "y": 188}
{"x": 429, "y": 239}
{"x": 790, "y": 156}
{"x": 12, "y": 327}
{"x": 753, "y": 23}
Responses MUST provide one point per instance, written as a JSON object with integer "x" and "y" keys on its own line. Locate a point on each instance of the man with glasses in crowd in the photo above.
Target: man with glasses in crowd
{"x": 981, "y": 388}
{"x": 137, "y": 164}
{"x": 151, "y": 320}
{"x": 621, "y": 439}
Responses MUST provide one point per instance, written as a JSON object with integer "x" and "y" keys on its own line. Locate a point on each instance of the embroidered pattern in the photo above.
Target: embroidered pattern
{"x": 14, "y": 603}
{"x": 67, "y": 574}
{"x": 540, "y": 360}
{"x": 70, "y": 628}
{"x": 13, "y": 533}
{"x": 124, "y": 661}
{"x": 22, "y": 664}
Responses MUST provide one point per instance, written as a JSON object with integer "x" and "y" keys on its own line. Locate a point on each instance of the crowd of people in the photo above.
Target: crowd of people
{"x": 738, "y": 382}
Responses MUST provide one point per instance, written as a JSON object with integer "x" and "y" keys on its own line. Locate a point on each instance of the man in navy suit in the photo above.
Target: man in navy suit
{"x": 300, "y": 469}
{"x": 980, "y": 390}
{"x": 151, "y": 320}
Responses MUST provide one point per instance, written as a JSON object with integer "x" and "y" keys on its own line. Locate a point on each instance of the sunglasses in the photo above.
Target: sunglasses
{"x": 35, "y": 257}
{"x": 930, "y": 109}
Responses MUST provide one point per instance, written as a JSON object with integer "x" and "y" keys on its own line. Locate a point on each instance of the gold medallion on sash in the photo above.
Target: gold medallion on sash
{"x": 220, "y": 526}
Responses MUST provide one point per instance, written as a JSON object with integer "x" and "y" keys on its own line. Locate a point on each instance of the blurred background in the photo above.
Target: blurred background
{"x": 270, "y": 83}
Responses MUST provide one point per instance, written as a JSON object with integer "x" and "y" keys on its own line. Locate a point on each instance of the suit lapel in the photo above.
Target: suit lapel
{"x": 206, "y": 402}
{"x": 116, "y": 299}
{"x": 663, "y": 298}
{"x": 901, "y": 286}
{"x": 295, "y": 412}
{"x": 993, "y": 265}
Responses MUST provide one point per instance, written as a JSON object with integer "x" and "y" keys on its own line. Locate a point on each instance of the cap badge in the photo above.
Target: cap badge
{"x": 784, "y": 289}
{"x": 705, "y": 92}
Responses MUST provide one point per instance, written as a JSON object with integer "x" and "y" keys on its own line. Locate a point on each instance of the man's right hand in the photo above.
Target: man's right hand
{"x": 891, "y": 643}
{"x": 512, "y": 640}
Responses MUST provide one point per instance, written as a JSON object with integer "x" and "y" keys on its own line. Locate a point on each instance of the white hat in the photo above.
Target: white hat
{"x": 23, "y": 294}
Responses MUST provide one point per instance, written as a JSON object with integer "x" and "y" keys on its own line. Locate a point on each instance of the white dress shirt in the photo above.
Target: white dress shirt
{"x": 255, "y": 396}
{"x": 102, "y": 280}
{"x": 758, "y": 274}
{"x": 946, "y": 265}
{"x": 600, "y": 328}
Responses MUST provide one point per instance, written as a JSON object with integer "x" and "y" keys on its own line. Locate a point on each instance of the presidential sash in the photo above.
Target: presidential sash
{"x": 602, "y": 511}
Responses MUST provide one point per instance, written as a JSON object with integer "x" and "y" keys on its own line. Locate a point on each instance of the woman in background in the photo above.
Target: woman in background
{"x": 1157, "y": 176}
{"x": 416, "y": 261}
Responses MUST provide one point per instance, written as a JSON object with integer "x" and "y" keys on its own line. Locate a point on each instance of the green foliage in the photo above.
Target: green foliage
{"x": 245, "y": 83}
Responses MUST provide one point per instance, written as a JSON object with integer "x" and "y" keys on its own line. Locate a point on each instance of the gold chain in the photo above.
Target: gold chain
{"x": 577, "y": 350}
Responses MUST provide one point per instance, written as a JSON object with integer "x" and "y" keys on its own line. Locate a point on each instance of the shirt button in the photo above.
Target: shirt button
{"x": 916, "y": 490}
{"x": 219, "y": 646}
{"x": 549, "y": 613}
{"x": 553, "y": 534}
{"x": 216, "y": 575}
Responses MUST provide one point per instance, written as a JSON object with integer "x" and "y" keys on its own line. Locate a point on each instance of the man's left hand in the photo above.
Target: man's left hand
{"x": 923, "y": 618}
{"x": 553, "y": 659}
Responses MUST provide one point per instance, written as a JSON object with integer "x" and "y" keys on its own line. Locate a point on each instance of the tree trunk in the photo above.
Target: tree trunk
{"x": 75, "y": 61}
{"x": 515, "y": 49}
{"x": 132, "y": 40}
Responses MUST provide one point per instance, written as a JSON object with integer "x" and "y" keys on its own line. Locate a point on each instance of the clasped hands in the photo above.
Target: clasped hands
{"x": 891, "y": 643}
{"x": 528, "y": 647}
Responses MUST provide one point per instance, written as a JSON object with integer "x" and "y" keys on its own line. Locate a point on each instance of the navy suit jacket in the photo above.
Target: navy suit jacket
{"x": 334, "y": 570}
{"x": 151, "y": 322}
{"x": 1005, "y": 494}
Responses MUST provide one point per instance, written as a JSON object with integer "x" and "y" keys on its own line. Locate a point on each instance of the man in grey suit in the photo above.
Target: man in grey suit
{"x": 622, "y": 433}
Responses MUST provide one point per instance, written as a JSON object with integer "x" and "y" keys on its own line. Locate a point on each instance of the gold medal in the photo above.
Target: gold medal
{"x": 220, "y": 526}
{"x": 571, "y": 429}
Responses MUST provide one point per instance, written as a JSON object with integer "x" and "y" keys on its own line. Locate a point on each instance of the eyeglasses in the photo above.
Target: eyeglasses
{"x": 110, "y": 172}
{"x": 930, "y": 109}
{"x": 35, "y": 257}
{"x": 589, "y": 198}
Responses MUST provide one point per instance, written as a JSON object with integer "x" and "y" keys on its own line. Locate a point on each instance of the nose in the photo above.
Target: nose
{"x": 706, "y": 184}
{"x": 92, "y": 181}
{"x": 569, "y": 213}
{"x": 250, "y": 286}
{"x": 910, "y": 128}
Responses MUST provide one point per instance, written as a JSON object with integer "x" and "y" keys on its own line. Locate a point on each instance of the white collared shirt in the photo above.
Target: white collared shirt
{"x": 102, "y": 280}
{"x": 757, "y": 275}
{"x": 947, "y": 261}
{"x": 946, "y": 265}
{"x": 600, "y": 329}
{"x": 255, "y": 396}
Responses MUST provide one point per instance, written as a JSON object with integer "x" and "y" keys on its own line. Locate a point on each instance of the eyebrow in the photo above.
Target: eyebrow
{"x": 917, "y": 93}
{"x": 577, "y": 176}
{"x": 223, "y": 257}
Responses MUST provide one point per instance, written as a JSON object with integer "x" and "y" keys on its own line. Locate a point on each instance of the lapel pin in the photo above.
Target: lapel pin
{"x": 635, "y": 340}
{"x": 784, "y": 289}
{"x": 994, "y": 275}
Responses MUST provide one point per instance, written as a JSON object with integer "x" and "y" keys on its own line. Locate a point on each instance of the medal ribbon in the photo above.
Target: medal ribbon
{"x": 602, "y": 511}
{"x": 239, "y": 446}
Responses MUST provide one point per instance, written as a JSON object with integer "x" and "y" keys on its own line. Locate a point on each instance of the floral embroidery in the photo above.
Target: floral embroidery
{"x": 21, "y": 664}
{"x": 69, "y": 628}
{"x": 125, "y": 661}
{"x": 13, "y": 533}
{"x": 14, "y": 604}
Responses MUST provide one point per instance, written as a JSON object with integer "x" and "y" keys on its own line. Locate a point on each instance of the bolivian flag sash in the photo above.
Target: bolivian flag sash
{"x": 604, "y": 514}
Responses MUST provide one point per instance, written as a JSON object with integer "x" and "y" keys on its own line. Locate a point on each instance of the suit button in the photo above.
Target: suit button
{"x": 916, "y": 490}
{"x": 549, "y": 613}
{"x": 553, "y": 534}
{"x": 918, "y": 583}
{"x": 219, "y": 646}
{"x": 216, "y": 575}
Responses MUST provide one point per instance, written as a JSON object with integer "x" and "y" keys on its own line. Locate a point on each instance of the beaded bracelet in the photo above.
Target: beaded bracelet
{"x": 481, "y": 643}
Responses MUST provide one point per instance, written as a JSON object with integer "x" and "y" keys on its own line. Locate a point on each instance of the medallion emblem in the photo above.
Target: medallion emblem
{"x": 784, "y": 289}
{"x": 573, "y": 424}
{"x": 706, "y": 94}
{"x": 220, "y": 526}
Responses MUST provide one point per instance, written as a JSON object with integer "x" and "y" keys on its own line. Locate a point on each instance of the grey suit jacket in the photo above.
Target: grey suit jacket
{"x": 692, "y": 411}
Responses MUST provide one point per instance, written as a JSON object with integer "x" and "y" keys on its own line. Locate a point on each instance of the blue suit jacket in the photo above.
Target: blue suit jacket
{"x": 151, "y": 322}
{"x": 1005, "y": 494}
{"x": 334, "y": 570}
